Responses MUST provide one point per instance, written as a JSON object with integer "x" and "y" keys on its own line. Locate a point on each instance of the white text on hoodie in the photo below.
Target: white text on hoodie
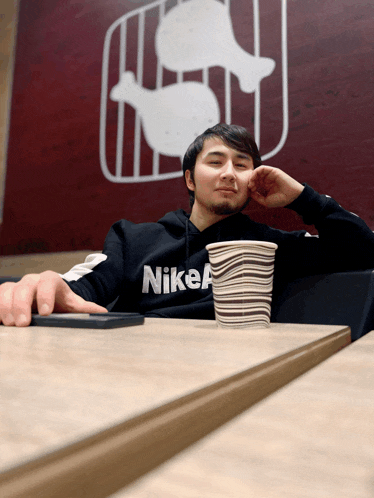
{"x": 167, "y": 280}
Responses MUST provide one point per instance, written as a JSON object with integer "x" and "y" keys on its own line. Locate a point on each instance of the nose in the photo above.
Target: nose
{"x": 228, "y": 171}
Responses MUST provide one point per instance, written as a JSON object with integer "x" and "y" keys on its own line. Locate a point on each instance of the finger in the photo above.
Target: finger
{"x": 258, "y": 197}
{"x": 23, "y": 297}
{"x": 264, "y": 170}
{"x": 261, "y": 175}
{"x": 50, "y": 286}
{"x": 55, "y": 295}
{"x": 6, "y": 303}
{"x": 254, "y": 181}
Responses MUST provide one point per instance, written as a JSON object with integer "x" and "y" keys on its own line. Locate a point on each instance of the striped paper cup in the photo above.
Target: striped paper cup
{"x": 242, "y": 278}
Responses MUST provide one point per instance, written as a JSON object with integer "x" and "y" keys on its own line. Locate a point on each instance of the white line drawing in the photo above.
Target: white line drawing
{"x": 198, "y": 34}
{"x": 184, "y": 109}
{"x": 283, "y": 138}
{"x": 170, "y": 115}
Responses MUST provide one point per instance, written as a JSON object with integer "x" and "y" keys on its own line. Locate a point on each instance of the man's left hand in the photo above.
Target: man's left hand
{"x": 272, "y": 187}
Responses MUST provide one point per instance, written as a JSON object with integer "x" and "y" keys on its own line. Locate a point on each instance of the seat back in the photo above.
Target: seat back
{"x": 336, "y": 299}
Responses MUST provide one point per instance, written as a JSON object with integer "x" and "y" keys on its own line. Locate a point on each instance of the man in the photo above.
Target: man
{"x": 162, "y": 269}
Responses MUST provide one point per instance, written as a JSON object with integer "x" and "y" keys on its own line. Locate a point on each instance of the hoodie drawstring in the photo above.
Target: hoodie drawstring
{"x": 187, "y": 247}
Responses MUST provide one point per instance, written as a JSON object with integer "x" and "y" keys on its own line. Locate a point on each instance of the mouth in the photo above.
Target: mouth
{"x": 227, "y": 190}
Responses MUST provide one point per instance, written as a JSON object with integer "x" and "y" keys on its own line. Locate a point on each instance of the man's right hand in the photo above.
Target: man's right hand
{"x": 45, "y": 293}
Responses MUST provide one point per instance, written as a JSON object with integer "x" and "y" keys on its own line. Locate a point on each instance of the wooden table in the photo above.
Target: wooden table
{"x": 61, "y": 385}
{"x": 313, "y": 438}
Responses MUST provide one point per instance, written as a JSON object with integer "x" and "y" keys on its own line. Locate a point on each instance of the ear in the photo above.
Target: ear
{"x": 189, "y": 182}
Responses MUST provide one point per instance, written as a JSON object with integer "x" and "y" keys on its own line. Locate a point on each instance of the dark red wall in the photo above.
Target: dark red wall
{"x": 56, "y": 197}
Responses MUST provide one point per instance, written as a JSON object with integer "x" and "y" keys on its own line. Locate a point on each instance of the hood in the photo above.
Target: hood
{"x": 176, "y": 223}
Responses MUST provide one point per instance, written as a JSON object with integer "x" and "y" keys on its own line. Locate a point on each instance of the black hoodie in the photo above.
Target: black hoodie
{"x": 162, "y": 269}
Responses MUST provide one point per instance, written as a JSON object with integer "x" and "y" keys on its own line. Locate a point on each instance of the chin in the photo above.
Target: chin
{"x": 226, "y": 208}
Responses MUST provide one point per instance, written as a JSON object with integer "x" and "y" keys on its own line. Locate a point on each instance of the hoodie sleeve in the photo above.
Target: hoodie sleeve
{"x": 102, "y": 277}
{"x": 81, "y": 269}
{"x": 345, "y": 242}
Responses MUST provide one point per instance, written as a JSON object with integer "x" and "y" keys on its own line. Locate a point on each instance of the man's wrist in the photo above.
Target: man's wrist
{"x": 298, "y": 191}
{"x": 309, "y": 204}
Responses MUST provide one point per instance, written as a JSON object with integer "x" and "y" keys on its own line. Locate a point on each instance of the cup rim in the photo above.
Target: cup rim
{"x": 215, "y": 245}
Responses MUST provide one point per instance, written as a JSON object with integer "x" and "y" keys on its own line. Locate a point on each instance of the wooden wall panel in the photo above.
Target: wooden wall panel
{"x": 8, "y": 28}
{"x": 56, "y": 196}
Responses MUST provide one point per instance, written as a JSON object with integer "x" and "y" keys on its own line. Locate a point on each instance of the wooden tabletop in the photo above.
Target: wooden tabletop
{"x": 313, "y": 438}
{"x": 62, "y": 385}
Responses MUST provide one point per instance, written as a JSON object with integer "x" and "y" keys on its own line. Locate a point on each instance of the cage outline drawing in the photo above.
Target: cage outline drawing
{"x": 121, "y": 22}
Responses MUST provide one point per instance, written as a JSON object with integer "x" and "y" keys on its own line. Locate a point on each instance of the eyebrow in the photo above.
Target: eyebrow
{"x": 239, "y": 155}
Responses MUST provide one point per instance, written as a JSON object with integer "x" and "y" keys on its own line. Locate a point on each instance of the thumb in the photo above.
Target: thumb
{"x": 76, "y": 304}
{"x": 68, "y": 301}
{"x": 54, "y": 295}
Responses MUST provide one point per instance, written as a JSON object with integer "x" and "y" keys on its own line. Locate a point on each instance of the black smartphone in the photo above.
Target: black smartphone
{"x": 88, "y": 321}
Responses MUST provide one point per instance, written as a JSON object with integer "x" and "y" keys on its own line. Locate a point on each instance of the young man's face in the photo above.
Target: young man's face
{"x": 221, "y": 179}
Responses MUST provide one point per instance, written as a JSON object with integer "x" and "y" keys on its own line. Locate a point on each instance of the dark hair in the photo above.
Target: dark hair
{"x": 235, "y": 137}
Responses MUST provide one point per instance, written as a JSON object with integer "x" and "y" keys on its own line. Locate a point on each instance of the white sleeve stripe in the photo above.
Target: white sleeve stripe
{"x": 83, "y": 269}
